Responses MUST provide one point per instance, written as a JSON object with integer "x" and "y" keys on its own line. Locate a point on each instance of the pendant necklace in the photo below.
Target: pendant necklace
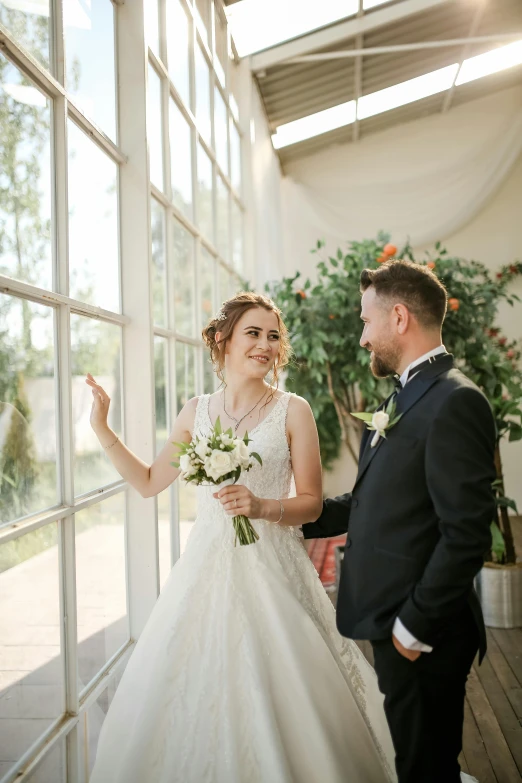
{"x": 238, "y": 421}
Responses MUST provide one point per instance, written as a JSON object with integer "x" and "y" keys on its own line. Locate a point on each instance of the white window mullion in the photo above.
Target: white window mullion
{"x": 65, "y": 436}
{"x": 137, "y": 348}
{"x": 174, "y": 487}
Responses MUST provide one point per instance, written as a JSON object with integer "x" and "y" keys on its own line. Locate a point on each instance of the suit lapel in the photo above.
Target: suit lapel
{"x": 406, "y": 399}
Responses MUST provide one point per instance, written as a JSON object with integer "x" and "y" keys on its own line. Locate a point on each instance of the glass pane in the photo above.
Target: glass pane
{"x": 100, "y": 585}
{"x": 91, "y": 722}
{"x": 89, "y": 27}
{"x": 152, "y": 25}
{"x": 235, "y": 157}
{"x": 205, "y": 216}
{"x": 160, "y": 388}
{"x": 185, "y": 389}
{"x": 31, "y": 663}
{"x": 159, "y": 278}
{"x": 25, "y": 177}
{"x": 224, "y": 283}
{"x": 53, "y": 768}
{"x": 202, "y": 10}
{"x": 221, "y": 48}
{"x": 237, "y": 236}
{"x": 206, "y": 286}
{"x": 233, "y": 73}
{"x": 223, "y": 219}
{"x": 164, "y": 534}
{"x": 95, "y": 348}
{"x": 208, "y": 375}
{"x": 185, "y": 374}
{"x": 154, "y": 129}
{"x": 178, "y": 48}
{"x": 28, "y": 23}
{"x": 93, "y": 203}
{"x": 183, "y": 280}
{"x": 28, "y": 478}
{"x": 181, "y": 161}
{"x": 202, "y": 94}
{"x": 220, "y": 130}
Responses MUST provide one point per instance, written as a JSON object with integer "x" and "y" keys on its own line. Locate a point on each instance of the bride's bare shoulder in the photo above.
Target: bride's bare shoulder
{"x": 298, "y": 410}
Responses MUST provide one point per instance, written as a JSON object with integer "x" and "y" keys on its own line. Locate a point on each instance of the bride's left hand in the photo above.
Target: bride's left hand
{"x": 237, "y": 499}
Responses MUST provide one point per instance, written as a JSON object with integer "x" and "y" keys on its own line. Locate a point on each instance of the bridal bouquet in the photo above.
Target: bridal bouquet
{"x": 216, "y": 460}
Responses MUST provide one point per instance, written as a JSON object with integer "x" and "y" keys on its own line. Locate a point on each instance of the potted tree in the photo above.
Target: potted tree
{"x": 331, "y": 372}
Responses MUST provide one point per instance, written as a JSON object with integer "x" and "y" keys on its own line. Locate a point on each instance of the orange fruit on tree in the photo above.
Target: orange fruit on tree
{"x": 389, "y": 249}
{"x": 382, "y": 259}
{"x": 431, "y": 264}
{"x": 453, "y": 303}
{"x": 301, "y": 293}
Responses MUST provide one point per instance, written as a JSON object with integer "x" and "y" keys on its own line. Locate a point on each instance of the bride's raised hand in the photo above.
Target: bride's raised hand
{"x": 100, "y": 404}
{"x": 236, "y": 499}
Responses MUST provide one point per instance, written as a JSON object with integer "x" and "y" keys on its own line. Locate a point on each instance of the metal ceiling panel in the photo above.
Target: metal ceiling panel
{"x": 294, "y": 90}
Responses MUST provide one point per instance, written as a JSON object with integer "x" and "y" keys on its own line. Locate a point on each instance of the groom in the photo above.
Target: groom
{"x": 418, "y": 521}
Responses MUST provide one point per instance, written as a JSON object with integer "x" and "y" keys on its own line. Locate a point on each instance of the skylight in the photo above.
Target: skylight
{"x": 399, "y": 95}
{"x": 406, "y": 92}
{"x": 490, "y": 62}
{"x": 259, "y": 24}
{"x": 314, "y": 124}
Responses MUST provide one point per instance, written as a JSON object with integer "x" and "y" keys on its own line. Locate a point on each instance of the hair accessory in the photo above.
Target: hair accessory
{"x": 221, "y": 316}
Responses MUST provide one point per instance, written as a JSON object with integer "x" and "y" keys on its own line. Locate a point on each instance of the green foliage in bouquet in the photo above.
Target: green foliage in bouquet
{"x": 215, "y": 460}
{"x": 331, "y": 370}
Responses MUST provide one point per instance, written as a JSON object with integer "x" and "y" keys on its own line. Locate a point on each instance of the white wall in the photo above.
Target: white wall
{"x": 264, "y": 239}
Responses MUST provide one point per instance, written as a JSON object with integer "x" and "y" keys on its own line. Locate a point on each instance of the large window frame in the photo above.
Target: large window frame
{"x": 134, "y": 317}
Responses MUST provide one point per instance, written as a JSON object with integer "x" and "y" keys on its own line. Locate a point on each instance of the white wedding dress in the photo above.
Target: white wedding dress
{"x": 240, "y": 675}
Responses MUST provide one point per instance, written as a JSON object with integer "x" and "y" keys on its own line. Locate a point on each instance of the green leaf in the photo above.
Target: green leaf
{"x": 498, "y": 545}
{"x": 255, "y": 455}
{"x": 515, "y": 431}
{"x": 367, "y": 417}
{"x": 507, "y": 503}
{"x": 217, "y": 427}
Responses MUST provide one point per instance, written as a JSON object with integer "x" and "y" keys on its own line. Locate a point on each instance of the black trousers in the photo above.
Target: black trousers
{"x": 424, "y": 702}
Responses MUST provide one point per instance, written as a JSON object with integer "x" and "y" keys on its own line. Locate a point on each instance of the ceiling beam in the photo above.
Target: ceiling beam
{"x": 340, "y": 32}
{"x": 358, "y": 65}
{"x": 346, "y": 54}
{"x": 475, "y": 24}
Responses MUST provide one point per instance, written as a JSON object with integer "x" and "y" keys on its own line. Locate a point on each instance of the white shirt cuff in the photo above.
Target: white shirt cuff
{"x": 407, "y": 639}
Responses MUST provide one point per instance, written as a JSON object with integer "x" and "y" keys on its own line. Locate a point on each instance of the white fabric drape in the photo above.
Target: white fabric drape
{"x": 423, "y": 180}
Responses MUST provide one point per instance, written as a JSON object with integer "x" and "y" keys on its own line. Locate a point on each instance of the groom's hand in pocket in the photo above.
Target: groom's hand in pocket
{"x": 411, "y": 655}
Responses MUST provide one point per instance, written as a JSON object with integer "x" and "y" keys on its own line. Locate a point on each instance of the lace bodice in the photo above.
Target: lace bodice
{"x": 273, "y": 479}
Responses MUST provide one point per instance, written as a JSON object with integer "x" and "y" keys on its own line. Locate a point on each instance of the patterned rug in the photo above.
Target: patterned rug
{"x": 322, "y": 554}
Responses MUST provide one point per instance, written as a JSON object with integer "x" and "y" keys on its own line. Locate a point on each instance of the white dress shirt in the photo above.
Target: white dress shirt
{"x": 400, "y": 631}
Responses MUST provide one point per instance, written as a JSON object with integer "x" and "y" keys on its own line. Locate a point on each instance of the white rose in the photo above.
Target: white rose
{"x": 242, "y": 453}
{"x": 219, "y": 463}
{"x": 202, "y": 448}
{"x": 380, "y": 420}
{"x": 226, "y": 439}
{"x": 186, "y": 465}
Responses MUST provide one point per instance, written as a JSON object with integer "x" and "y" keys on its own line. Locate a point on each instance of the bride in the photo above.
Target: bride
{"x": 240, "y": 675}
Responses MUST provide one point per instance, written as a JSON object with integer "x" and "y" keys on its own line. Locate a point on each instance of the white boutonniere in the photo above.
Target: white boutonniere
{"x": 380, "y": 421}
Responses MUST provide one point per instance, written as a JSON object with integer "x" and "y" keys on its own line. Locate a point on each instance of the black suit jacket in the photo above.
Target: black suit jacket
{"x": 418, "y": 517}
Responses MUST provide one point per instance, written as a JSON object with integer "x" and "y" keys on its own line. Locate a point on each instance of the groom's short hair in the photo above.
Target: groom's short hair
{"x": 411, "y": 284}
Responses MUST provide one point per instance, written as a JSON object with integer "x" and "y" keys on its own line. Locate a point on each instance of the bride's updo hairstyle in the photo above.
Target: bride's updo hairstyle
{"x": 225, "y": 321}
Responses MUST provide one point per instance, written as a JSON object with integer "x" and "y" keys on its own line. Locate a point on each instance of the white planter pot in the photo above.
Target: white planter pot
{"x": 500, "y": 592}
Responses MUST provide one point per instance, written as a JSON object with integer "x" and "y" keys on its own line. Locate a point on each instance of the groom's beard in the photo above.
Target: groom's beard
{"x": 384, "y": 361}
